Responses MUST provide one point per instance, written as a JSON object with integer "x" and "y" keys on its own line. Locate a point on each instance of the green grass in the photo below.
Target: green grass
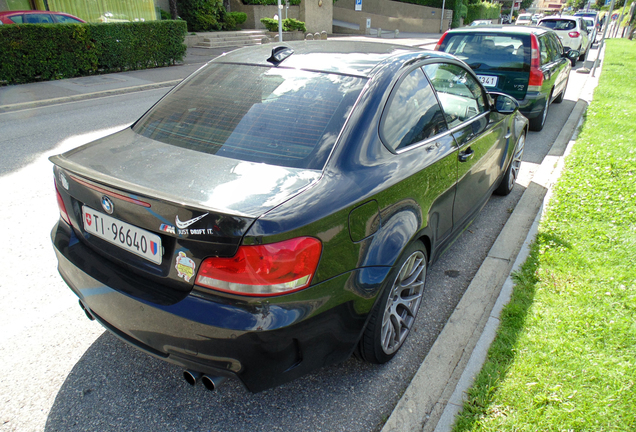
{"x": 564, "y": 358}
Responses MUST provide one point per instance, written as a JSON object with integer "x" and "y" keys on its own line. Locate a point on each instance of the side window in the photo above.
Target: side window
{"x": 412, "y": 114}
{"x": 558, "y": 47}
{"x": 38, "y": 19}
{"x": 461, "y": 96}
{"x": 545, "y": 50}
{"x": 66, "y": 20}
{"x": 18, "y": 19}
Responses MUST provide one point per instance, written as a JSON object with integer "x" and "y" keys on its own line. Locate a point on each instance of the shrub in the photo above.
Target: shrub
{"x": 289, "y": 24}
{"x": 40, "y": 52}
{"x": 239, "y": 17}
{"x": 482, "y": 10}
{"x": 204, "y": 15}
{"x": 165, "y": 15}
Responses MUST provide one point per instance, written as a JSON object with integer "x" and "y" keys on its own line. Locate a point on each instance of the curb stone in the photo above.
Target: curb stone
{"x": 436, "y": 392}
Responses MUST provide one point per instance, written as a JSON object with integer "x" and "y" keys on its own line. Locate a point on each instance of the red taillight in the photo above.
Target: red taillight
{"x": 263, "y": 270}
{"x": 536, "y": 76}
{"x": 60, "y": 204}
{"x": 574, "y": 34}
{"x": 439, "y": 43}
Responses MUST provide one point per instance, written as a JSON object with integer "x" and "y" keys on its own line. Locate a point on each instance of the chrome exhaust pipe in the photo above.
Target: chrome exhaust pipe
{"x": 212, "y": 382}
{"x": 192, "y": 377}
{"x": 86, "y": 311}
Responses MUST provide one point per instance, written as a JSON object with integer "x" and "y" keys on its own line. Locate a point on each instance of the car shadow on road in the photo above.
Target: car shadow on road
{"x": 115, "y": 387}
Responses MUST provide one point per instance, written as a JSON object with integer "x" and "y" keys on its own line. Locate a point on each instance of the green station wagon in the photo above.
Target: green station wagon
{"x": 527, "y": 63}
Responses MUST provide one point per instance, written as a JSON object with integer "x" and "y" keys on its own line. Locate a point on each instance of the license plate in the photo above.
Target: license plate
{"x": 488, "y": 81}
{"x": 129, "y": 237}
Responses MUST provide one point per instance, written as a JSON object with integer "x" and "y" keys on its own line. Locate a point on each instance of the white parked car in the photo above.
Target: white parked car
{"x": 524, "y": 19}
{"x": 572, "y": 31}
{"x": 591, "y": 27}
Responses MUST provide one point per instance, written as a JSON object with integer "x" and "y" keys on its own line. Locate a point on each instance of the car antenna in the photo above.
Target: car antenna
{"x": 279, "y": 54}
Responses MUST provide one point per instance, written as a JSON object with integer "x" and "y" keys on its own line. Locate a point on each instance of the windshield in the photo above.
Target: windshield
{"x": 490, "y": 51}
{"x": 278, "y": 116}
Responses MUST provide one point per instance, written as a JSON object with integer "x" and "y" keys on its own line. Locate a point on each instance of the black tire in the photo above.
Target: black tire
{"x": 384, "y": 335}
{"x": 559, "y": 98}
{"x": 537, "y": 123}
{"x": 582, "y": 56}
{"x": 509, "y": 178}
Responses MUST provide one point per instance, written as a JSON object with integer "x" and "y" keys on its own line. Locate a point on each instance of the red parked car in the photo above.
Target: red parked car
{"x": 38, "y": 17}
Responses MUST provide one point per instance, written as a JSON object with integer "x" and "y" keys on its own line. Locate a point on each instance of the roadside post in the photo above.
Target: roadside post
{"x": 600, "y": 45}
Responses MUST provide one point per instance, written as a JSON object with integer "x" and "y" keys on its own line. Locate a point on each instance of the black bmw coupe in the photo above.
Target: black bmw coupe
{"x": 278, "y": 210}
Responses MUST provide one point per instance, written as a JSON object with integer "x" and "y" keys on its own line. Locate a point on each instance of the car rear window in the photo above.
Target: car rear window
{"x": 484, "y": 51}
{"x": 278, "y": 116}
{"x": 558, "y": 24}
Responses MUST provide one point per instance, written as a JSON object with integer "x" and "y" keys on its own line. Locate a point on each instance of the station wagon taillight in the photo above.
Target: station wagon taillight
{"x": 62, "y": 207}
{"x": 441, "y": 40}
{"x": 536, "y": 76}
{"x": 263, "y": 270}
{"x": 574, "y": 34}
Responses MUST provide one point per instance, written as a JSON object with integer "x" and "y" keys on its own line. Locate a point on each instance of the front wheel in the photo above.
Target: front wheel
{"x": 393, "y": 316}
{"x": 512, "y": 173}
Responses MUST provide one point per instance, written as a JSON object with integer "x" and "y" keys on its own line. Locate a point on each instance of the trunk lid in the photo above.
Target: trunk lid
{"x": 187, "y": 204}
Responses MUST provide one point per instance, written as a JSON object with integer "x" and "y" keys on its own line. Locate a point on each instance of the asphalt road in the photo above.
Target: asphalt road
{"x": 61, "y": 372}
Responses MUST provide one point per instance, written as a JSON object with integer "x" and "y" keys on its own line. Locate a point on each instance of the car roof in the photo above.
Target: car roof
{"x": 345, "y": 57}
{"x": 503, "y": 29}
{"x": 554, "y": 17}
{"x": 20, "y": 12}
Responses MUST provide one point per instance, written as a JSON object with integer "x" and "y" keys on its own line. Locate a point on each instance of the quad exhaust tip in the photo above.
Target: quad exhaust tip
{"x": 210, "y": 382}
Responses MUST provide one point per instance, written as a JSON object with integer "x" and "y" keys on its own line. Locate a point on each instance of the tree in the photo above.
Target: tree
{"x": 173, "y": 9}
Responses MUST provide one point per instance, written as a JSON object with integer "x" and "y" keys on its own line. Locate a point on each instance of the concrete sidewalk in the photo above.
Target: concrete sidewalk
{"x": 33, "y": 95}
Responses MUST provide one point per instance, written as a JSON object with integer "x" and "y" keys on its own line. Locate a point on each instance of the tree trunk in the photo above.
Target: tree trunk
{"x": 226, "y": 3}
{"x": 173, "y": 9}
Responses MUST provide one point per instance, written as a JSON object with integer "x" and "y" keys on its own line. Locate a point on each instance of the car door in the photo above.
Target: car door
{"x": 480, "y": 137}
{"x": 413, "y": 127}
{"x": 561, "y": 64}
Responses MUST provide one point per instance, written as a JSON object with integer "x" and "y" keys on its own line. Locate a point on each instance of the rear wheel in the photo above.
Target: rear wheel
{"x": 508, "y": 180}
{"x": 537, "y": 123}
{"x": 559, "y": 98}
{"x": 394, "y": 315}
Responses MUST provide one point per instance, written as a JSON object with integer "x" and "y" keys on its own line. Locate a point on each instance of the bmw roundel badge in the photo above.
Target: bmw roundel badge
{"x": 107, "y": 204}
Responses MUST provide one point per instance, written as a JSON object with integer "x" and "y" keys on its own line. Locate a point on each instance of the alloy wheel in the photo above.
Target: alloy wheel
{"x": 515, "y": 164}
{"x": 403, "y": 302}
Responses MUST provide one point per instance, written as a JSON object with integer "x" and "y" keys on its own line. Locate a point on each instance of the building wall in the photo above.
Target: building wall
{"x": 391, "y": 15}
{"x": 317, "y": 15}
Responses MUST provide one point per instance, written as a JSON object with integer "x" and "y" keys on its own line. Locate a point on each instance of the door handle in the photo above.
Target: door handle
{"x": 466, "y": 154}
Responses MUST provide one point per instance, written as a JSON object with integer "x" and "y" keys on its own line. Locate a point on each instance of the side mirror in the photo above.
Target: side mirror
{"x": 572, "y": 54}
{"x": 503, "y": 103}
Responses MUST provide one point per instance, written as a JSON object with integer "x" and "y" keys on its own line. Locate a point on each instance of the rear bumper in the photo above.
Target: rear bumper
{"x": 532, "y": 104}
{"x": 262, "y": 342}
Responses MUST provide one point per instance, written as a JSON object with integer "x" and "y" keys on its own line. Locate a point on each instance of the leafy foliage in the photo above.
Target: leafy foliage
{"x": 239, "y": 17}
{"x": 289, "y": 24}
{"x": 205, "y": 15}
{"x": 41, "y": 52}
{"x": 482, "y": 10}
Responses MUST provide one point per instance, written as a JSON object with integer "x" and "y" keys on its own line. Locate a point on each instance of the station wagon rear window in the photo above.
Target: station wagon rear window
{"x": 558, "y": 24}
{"x": 278, "y": 116}
{"x": 485, "y": 51}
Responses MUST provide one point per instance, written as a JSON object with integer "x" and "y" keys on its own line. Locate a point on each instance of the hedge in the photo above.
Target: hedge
{"x": 482, "y": 11}
{"x": 289, "y": 24}
{"x": 41, "y": 52}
